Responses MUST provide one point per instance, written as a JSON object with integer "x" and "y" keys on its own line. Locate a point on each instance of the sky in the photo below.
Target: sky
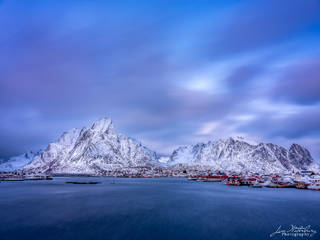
{"x": 168, "y": 72}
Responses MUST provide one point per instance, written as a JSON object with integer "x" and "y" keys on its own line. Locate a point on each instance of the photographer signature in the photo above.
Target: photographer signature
{"x": 295, "y": 231}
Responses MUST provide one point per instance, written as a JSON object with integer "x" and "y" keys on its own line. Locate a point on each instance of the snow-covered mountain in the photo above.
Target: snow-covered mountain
{"x": 100, "y": 150}
{"x": 17, "y": 162}
{"x": 237, "y": 155}
{"x": 92, "y": 150}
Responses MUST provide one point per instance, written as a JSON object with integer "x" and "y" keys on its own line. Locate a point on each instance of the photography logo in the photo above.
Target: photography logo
{"x": 294, "y": 231}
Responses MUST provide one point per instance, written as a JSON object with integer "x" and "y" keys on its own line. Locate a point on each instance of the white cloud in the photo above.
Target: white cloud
{"x": 208, "y": 128}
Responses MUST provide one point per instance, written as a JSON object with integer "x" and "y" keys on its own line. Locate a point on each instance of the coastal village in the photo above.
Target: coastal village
{"x": 300, "y": 180}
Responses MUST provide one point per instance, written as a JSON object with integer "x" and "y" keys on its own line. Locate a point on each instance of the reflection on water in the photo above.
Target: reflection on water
{"x": 161, "y": 208}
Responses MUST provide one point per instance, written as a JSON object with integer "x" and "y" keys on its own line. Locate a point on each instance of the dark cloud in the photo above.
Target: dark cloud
{"x": 251, "y": 25}
{"x": 299, "y": 82}
{"x": 241, "y": 77}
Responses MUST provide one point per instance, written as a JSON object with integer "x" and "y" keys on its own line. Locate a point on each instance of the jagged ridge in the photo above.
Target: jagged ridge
{"x": 237, "y": 155}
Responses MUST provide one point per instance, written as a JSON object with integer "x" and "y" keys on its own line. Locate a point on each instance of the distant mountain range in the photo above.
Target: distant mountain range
{"x": 237, "y": 155}
{"x": 100, "y": 148}
{"x": 18, "y": 162}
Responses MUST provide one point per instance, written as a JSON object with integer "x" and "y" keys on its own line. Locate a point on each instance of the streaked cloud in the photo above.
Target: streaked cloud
{"x": 168, "y": 72}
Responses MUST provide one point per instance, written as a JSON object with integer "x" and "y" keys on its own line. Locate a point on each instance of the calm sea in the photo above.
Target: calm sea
{"x": 146, "y": 209}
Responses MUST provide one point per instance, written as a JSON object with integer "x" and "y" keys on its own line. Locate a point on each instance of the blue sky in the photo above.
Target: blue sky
{"x": 169, "y": 72}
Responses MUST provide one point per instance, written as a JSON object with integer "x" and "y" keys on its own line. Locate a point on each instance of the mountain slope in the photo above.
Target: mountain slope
{"x": 92, "y": 151}
{"x": 17, "y": 162}
{"x": 239, "y": 156}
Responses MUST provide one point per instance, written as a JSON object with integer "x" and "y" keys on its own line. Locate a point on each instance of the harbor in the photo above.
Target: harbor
{"x": 300, "y": 180}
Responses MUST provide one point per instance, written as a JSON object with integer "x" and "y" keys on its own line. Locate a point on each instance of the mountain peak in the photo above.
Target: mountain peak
{"x": 300, "y": 156}
{"x": 103, "y": 125}
{"x": 296, "y": 146}
{"x": 97, "y": 150}
{"x": 244, "y": 139}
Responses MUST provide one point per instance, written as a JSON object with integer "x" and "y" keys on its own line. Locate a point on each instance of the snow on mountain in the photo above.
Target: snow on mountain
{"x": 237, "y": 155}
{"x": 92, "y": 151}
{"x": 301, "y": 158}
{"x": 100, "y": 150}
{"x": 164, "y": 159}
{"x": 17, "y": 162}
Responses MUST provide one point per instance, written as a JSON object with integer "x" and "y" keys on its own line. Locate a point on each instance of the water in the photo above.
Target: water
{"x": 161, "y": 208}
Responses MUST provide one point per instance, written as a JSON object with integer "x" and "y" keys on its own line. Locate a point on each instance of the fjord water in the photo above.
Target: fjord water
{"x": 159, "y": 208}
